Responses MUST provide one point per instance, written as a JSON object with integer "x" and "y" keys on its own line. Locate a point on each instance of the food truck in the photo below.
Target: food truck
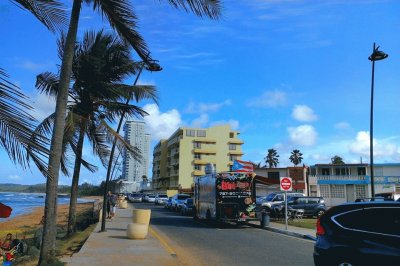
{"x": 225, "y": 196}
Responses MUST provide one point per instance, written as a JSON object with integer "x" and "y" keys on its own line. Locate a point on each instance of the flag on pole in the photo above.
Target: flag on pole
{"x": 242, "y": 166}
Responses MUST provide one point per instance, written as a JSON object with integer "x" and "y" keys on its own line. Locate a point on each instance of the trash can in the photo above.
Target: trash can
{"x": 264, "y": 219}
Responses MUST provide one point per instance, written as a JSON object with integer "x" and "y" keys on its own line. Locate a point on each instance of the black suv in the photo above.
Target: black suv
{"x": 312, "y": 206}
{"x": 363, "y": 233}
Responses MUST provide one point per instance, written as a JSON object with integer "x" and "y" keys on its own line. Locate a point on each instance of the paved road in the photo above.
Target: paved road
{"x": 205, "y": 244}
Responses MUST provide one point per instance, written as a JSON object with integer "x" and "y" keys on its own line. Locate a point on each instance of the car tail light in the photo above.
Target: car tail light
{"x": 320, "y": 229}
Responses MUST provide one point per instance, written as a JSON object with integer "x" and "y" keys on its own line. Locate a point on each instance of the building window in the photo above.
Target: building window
{"x": 361, "y": 191}
{"x": 233, "y": 157}
{"x": 324, "y": 189}
{"x": 190, "y": 133}
{"x": 232, "y": 147}
{"x": 337, "y": 191}
{"x": 197, "y": 156}
{"x": 361, "y": 171}
{"x": 325, "y": 171}
{"x": 273, "y": 175}
{"x": 201, "y": 133}
{"x": 342, "y": 171}
{"x": 231, "y": 135}
{"x": 197, "y": 145}
{"x": 197, "y": 167}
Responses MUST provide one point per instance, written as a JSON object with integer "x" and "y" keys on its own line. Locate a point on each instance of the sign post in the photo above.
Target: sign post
{"x": 286, "y": 185}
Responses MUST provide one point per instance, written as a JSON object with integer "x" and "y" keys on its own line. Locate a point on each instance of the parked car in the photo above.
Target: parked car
{"x": 146, "y": 197}
{"x": 135, "y": 197}
{"x": 177, "y": 201}
{"x": 168, "y": 204}
{"x": 373, "y": 199}
{"x": 260, "y": 199}
{"x": 151, "y": 198}
{"x": 277, "y": 198}
{"x": 362, "y": 233}
{"x": 312, "y": 206}
{"x": 187, "y": 207}
{"x": 161, "y": 199}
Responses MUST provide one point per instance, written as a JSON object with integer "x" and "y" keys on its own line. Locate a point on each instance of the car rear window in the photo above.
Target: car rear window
{"x": 183, "y": 197}
{"x": 163, "y": 196}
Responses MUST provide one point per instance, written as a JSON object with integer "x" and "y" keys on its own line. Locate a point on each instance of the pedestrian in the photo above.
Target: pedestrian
{"x": 111, "y": 205}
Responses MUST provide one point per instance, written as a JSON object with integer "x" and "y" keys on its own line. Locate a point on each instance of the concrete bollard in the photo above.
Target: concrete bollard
{"x": 137, "y": 231}
{"x": 123, "y": 204}
{"x": 141, "y": 216}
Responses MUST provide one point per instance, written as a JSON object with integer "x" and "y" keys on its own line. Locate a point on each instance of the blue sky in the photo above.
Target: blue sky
{"x": 288, "y": 74}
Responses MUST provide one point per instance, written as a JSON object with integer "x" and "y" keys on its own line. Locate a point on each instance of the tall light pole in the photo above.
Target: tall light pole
{"x": 375, "y": 56}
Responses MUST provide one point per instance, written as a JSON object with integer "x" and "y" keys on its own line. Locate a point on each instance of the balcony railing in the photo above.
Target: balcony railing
{"x": 342, "y": 177}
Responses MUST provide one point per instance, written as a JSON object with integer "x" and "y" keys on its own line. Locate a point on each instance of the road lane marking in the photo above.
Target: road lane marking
{"x": 163, "y": 241}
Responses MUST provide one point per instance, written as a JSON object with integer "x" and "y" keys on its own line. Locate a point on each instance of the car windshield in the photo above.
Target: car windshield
{"x": 163, "y": 196}
{"x": 270, "y": 197}
{"x": 183, "y": 197}
{"x": 152, "y": 196}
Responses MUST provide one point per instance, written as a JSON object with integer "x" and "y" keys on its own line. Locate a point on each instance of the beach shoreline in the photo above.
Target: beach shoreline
{"x": 24, "y": 225}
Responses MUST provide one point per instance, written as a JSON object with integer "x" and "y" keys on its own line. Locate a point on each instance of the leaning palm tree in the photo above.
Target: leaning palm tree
{"x": 16, "y": 127}
{"x": 272, "y": 158}
{"x": 296, "y": 157}
{"x": 122, "y": 18}
{"x": 100, "y": 64}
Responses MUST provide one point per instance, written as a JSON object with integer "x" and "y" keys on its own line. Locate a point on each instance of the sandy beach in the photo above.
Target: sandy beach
{"x": 26, "y": 224}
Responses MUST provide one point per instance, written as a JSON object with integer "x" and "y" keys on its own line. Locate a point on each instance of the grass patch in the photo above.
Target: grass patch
{"x": 309, "y": 223}
{"x": 72, "y": 244}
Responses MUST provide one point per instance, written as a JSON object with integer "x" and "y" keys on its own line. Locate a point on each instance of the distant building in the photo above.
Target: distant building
{"x": 177, "y": 160}
{"x": 347, "y": 182}
{"x": 134, "y": 170}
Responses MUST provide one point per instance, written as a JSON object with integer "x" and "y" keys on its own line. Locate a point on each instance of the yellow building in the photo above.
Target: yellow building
{"x": 179, "y": 159}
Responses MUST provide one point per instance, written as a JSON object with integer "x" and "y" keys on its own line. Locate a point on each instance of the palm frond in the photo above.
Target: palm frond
{"x": 47, "y": 83}
{"x": 122, "y": 18}
{"x": 201, "y": 8}
{"x": 16, "y": 127}
{"x": 51, "y": 13}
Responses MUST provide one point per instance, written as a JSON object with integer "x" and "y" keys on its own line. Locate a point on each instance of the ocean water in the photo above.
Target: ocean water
{"x": 23, "y": 203}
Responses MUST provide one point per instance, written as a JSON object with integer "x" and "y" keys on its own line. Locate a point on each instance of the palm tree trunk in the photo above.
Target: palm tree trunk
{"x": 75, "y": 180}
{"x": 103, "y": 218}
{"x": 48, "y": 251}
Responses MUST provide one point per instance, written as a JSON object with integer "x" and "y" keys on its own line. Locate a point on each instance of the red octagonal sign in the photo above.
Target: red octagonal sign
{"x": 286, "y": 183}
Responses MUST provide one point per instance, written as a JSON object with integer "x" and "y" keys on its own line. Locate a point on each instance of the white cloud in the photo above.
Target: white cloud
{"x": 161, "y": 125}
{"x": 303, "y": 113}
{"x": 382, "y": 148}
{"x": 268, "y": 99}
{"x": 342, "y": 125}
{"x": 14, "y": 177}
{"x": 43, "y": 106}
{"x": 233, "y": 123}
{"x": 33, "y": 66}
{"x": 201, "y": 121}
{"x": 304, "y": 135}
{"x": 200, "y": 108}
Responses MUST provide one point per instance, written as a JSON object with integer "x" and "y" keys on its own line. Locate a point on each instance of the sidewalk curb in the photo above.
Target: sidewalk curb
{"x": 285, "y": 232}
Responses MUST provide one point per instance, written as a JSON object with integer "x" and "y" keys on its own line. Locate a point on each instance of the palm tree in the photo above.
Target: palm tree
{"x": 337, "y": 160}
{"x": 296, "y": 157}
{"x": 101, "y": 62}
{"x": 16, "y": 127}
{"x": 272, "y": 158}
{"x": 122, "y": 18}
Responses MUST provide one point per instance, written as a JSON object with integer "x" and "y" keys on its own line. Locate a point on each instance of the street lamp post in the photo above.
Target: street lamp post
{"x": 375, "y": 56}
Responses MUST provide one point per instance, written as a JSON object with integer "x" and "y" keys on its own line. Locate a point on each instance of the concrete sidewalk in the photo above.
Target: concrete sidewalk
{"x": 114, "y": 248}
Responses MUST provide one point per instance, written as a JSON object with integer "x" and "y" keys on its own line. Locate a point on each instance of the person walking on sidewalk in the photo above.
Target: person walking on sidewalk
{"x": 111, "y": 205}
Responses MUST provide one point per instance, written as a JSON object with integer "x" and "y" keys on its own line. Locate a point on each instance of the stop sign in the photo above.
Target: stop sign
{"x": 286, "y": 183}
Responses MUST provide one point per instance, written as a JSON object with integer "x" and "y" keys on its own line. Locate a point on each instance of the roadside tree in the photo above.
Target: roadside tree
{"x": 296, "y": 157}
{"x": 337, "y": 160}
{"x": 272, "y": 158}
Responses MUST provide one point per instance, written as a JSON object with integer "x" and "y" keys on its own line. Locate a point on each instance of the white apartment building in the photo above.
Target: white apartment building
{"x": 134, "y": 170}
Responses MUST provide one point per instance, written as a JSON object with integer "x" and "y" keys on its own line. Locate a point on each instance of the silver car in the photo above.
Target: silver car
{"x": 161, "y": 199}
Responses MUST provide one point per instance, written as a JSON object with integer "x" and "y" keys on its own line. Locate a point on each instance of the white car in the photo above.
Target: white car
{"x": 161, "y": 199}
{"x": 151, "y": 198}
